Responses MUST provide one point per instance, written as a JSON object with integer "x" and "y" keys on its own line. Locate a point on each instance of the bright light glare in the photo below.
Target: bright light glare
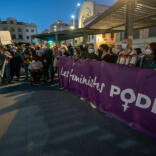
{"x": 72, "y": 16}
{"x": 72, "y": 27}
{"x": 78, "y": 4}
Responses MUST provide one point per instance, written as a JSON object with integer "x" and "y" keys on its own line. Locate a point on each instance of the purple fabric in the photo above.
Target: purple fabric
{"x": 127, "y": 93}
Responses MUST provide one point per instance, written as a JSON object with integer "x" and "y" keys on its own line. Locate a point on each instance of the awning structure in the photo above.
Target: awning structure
{"x": 69, "y": 34}
{"x": 124, "y": 15}
{"x": 142, "y": 12}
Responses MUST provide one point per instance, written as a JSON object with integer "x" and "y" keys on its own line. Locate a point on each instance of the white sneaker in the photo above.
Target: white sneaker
{"x": 82, "y": 99}
{"x": 92, "y": 105}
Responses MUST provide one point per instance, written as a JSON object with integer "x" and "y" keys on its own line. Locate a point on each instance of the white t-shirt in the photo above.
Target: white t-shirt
{"x": 36, "y": 65}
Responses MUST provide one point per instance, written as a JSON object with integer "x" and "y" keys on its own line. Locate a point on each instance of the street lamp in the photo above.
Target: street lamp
{"x": 78, "y": 4}
{"x": 72, "y": 27}
{"x": 72, "y": 16}
{"x": 75, "y": 11}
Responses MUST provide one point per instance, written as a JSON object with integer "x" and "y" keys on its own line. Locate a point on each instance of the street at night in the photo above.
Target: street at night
{"x": 45, "y": 121}
{"x": 78, "y": 78}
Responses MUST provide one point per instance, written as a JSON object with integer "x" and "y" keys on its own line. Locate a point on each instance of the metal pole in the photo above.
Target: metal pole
{"x": 73, "y": 42}
{"x": 85, "y": 38}
{"x": 74, "y": 22}
{"x": 129, "y": 26}
{"x": 56, "y": 38}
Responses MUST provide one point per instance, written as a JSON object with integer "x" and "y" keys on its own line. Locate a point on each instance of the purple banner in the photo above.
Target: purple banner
{"x": 126, "y": 93}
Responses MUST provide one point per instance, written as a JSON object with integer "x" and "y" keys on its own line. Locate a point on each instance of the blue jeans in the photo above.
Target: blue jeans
{"x": 26, "y": 65}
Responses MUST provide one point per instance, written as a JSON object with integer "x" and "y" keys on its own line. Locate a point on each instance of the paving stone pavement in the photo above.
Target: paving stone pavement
{"x": 43, "y": 121}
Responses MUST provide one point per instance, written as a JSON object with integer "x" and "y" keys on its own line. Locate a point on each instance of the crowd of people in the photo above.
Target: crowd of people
{"x": 33, "y": 62}
{"x": 123, "y": 54}
{"x": 37, "y": 63}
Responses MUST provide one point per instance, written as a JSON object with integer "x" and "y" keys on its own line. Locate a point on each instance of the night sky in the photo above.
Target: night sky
{"x": 41, "y": 12}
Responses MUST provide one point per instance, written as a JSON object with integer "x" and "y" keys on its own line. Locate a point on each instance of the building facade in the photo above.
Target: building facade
{"x": 88, "y": 12}
{"x": 46, "y": 31}
{"x": 141, "y": 37}
{"x": 58, "y": 26}
{"x": 20, "y": 31}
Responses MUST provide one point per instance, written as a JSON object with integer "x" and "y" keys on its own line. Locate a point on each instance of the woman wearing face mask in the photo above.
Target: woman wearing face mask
{"x": 64, "y": 52}
{"x": 91, "y": 52}
{"x": 76, "y": 53}
{"x": 149, "y": 60}
{"x": 91, "y": 55}
{"x": 123, "y": 57}
{"x": 102, "y": 51}
{"x": 110, "y": 56}
{"x": 118, "y": 49}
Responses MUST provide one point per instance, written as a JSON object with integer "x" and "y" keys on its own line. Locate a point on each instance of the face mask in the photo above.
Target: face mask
{"x": 117, "y": 50}
{"x": 91, "y": 51}
{"x": 124, "y": 46}
{"x": 74, "y": 53}
{"x": 148, "y": 51}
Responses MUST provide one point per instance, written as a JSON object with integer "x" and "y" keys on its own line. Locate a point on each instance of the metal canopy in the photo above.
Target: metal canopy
{"x": 114, "y": 18}
{"x": 70, "y": 34}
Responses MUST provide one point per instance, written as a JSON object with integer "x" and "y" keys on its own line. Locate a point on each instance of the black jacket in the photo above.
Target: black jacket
{"x": 48, "y": 56}
{"x": 92, "y": 56}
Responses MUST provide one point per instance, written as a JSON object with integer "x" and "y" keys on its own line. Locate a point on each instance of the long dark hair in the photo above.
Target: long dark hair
{"x": 138, "y": 50}
{"x": 153, "y": 48}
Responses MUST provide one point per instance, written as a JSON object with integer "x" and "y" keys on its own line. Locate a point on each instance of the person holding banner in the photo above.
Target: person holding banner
{"x": 93, "y": 56}
{"x": 77, "y": 54}
{"x": 83, "y": 51}
{"x": 102, "y": 51}
{"x": 91, "y": 52}
{"x": 118, "y": 49}
{"x": 109, "y": 56}
{"x": 149, "y": 60}
{"x": 127, "y": 56}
